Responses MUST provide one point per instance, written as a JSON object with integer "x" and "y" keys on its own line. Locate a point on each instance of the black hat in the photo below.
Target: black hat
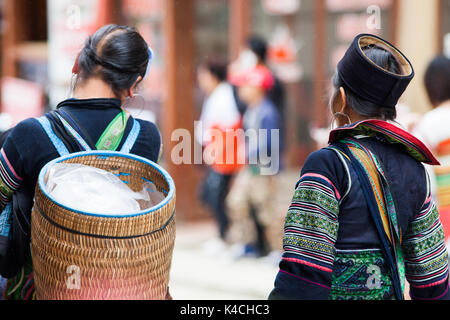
{"x": 370, "y": 81}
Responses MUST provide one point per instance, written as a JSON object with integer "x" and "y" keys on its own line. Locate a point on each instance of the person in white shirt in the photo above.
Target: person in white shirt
{"x": 434, "y": 130}
{"x": 219, "y": 114}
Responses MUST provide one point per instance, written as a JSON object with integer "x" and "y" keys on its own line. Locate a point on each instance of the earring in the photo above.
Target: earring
{"x": 333, "y": 120}
{"x": 136, "y": 103}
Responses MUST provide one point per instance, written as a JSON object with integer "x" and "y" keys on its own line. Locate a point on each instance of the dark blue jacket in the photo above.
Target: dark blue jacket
{"x": 331, "y": 246}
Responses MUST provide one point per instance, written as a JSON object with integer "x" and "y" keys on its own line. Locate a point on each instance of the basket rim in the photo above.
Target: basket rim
{"x": 107, "y": 154}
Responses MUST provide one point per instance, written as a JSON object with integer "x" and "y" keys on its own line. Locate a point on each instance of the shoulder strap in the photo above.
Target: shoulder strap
{"x": 132, "y": 137}
{"x": 379, "y": 202}
{"x": 62, "y": 133}
{"x": 62, "y": 149}
{"x": 57, "y": 143}
{"x": 111, "y": 137}
{"x": 67, "y": 115}
{"x": 74, "y": 133}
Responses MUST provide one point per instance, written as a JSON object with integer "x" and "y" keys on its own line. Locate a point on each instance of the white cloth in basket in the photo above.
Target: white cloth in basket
{"x": 92, "y": 190}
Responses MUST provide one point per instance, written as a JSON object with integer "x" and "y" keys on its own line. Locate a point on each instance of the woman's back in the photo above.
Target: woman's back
{"x": 362, "y": 219}
{"x": 107, "y": 71}
{"x": 28, "y": 148}
{"x": 330, "y": 233}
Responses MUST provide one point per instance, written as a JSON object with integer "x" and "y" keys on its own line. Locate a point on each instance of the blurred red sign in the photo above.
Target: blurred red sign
{"x": 21, "y": 99}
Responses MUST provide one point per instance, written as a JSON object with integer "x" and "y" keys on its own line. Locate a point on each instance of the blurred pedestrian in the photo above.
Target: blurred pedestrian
{"x": 111, "y": 64}
{"x": 255, "y": 54}
{"x": 434, "y": 130}
{"x": 259, "y": 47}
{"x": 251, "y": 208}
{"x": 219, "y": 116}
{"x": 362, "y": 220}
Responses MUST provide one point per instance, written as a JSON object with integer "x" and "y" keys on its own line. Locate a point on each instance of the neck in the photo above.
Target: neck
{"x": 442, "y": 104}
{"x": 354, "y": 117}
{"x": 94, "y": 88}
{"x": 213, "y": 87}
{"x": 256, "y": 102}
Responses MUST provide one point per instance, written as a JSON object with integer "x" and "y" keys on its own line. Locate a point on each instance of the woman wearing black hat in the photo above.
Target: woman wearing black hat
{"x": 362, "y": 220}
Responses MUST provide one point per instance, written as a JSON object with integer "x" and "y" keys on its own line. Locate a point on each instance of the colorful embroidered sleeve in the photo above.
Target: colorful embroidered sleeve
{"x": 10, "y": 181}
{"x": 426, "y": 257}
{"x": 310, "y": 232}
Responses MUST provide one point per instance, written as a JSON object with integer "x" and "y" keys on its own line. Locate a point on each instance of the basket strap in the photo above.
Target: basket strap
{"x": 61, "y": 148}
{"x": 132, "y": 137}
{"x": 57, "y": 143}
{"x": 127, "y": 146}
{"x": 74, "y": 133}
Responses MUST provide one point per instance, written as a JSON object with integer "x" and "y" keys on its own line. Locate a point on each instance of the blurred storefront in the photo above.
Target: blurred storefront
{"x": 41, "y": 38}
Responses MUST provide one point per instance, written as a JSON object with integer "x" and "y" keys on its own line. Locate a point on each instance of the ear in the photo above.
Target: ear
{"x": 343, "y": 99}
{"x": 133, "y": 87}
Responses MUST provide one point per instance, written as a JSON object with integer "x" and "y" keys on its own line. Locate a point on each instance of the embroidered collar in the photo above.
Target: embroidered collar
{"x": 391, "y": 133}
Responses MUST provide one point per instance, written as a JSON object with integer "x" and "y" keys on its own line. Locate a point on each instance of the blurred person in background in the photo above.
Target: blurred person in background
{"x": 362, "y": 220}
{"x": 107, "y": 71}
{"x": 259, "y": 47}
{"x": 256, "y": 54}
{"x": 434, "y": 130}
{"x": 219, "y": 115}
{"x": 251, "y": 197}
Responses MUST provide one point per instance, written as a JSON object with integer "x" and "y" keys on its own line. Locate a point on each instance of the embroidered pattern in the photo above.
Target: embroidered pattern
{"x": 391, "y": 134}
{"x": 360, "y": 275}
{"x": 384, "y": 201}
{"x": 426, "y": 256}
{"x": 9, "y": 180}
{"x": 311, "y": 225}
{"x": 380, "y": 188}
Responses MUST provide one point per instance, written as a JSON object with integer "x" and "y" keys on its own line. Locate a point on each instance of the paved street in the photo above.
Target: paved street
{"x": 196, "y": 275}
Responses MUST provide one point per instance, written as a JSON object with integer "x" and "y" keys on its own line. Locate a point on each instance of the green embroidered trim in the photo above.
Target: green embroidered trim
{"x": 318, "y": 198}
{"x": 311, "y": 221}
{"x": 401, "y": 268}
{"x": 423, "y": 268}
{"x": 5, "y": 190}
{"x": 308, "y": 244}
{"x": 112, "y": 136}
{"x": 424, "y": 224}
{"x": 424, "y": 244}
{"x": 360, "y": 275}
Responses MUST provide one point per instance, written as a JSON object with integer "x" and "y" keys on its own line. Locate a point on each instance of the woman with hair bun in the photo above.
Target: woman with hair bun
{"x": 107, "y": 71}
{"x": 362, "y": 221}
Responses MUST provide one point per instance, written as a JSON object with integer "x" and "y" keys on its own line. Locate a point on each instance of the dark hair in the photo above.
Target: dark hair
{"x": 259, "y": 47}
{"x": 217, "y": 67}
{"x": 385, "y": 60}
{"x": 437, "y": 80}
{"x": 117, "y": 54}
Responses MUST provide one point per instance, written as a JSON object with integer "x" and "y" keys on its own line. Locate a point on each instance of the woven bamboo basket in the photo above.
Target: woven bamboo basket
{"x": 87, "y": 256}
